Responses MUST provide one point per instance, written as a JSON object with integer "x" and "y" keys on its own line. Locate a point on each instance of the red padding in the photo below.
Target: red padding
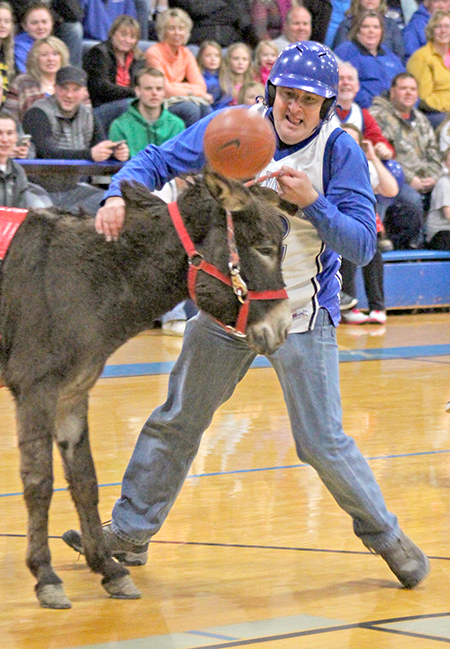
{"x": 10, "y": 219}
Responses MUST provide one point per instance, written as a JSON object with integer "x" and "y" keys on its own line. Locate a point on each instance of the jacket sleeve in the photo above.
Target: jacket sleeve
{"x": 372, "y": 131}
{"x": 344, "y": 216}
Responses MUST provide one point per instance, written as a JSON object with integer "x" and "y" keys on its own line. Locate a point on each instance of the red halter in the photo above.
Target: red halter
{"x": 235, "y": 281}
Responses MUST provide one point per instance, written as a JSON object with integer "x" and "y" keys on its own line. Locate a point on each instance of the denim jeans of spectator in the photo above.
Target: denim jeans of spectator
{"x": 83, "y": 195}
{"x": 72, "y": 35}
{"x": 189, "y": 111}
{"x": 210, "y": 365}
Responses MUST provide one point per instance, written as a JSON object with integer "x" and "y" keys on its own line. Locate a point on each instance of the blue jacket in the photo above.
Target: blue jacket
{"x": 221, "y": 99}
{"x": 414, "y": 32}
{"x": 22, "y": 45}
{"x": 337, "y": 16}
{"x": 98, "y": 16}
{"x": 392, "y": 35}
{"x": 375, "y": 72}
{"x": 343, "y": 216}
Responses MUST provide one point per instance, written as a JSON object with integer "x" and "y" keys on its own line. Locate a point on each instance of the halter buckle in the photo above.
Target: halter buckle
{"x": 239, "y": 286}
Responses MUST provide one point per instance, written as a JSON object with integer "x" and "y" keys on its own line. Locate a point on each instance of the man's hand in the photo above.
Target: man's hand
{"x": 295, "y": 187}
{"x": 121, "y": 152}
{"x": 383, "y": 151}
{"x": 21, "y": 151}
{"x": 110, "y": 218}
{"x": 423, "y": 185}
{"x": 102, "y": 151}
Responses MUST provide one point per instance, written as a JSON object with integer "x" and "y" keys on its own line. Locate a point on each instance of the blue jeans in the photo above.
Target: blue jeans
{"x": 205, "y": 375}
{"x": 189, "y": 111}
{"x": 72, "y": 35}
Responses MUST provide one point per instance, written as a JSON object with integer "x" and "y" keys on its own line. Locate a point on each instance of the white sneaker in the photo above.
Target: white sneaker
{"x": 377, "y": 317}
{"x": 174, "y": 327}
{"x": 354, "y": 316}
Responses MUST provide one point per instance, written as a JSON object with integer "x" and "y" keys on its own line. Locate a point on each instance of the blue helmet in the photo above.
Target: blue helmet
{"x": 309, "y": 66}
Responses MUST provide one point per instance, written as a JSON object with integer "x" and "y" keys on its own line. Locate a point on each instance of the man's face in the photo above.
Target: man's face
{"x": 8, "y": 139}
{"x": 69, "y": 96}
{"x": 404, "y": 94}
{"x": 150, "y": 91}
{"x": 299, "y": 26}
{"x": 348, "y": 84}
{"x": 296, "y": 114}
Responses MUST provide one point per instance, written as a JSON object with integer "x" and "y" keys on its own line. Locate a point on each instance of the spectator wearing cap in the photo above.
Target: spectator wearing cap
{"x": 62, "y": 127}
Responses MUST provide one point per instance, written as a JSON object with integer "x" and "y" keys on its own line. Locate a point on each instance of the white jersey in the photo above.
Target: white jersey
{"x": 302, "y": 244}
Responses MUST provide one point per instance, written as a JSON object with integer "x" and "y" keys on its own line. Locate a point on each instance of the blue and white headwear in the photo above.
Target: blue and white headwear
{"x": 308, "y": 66}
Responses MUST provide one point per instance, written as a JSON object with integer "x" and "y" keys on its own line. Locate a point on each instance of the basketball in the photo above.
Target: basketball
{"x": 239, "y": 143}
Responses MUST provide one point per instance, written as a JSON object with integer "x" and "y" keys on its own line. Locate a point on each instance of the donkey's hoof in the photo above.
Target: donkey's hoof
{"x": 53, "y": 596}
{"x": 122, "y": 588}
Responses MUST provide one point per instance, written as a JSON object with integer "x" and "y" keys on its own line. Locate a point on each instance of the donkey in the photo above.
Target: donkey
{"x": 69, "y": 299}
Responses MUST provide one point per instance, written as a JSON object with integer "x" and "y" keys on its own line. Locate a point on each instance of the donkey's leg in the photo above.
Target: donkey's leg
{"x": 35, "y": 419}
{"x": 72, "y": 437}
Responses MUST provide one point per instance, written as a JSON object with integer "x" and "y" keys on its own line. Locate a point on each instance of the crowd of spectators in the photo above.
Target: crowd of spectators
{"x": 139, "y": 71}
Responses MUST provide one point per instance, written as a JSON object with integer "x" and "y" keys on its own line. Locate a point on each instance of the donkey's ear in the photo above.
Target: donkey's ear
{"x": 231, "y": 194}
{"x": 271, "y": 196}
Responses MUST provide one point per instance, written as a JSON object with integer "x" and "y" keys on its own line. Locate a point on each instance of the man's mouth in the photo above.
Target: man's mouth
{"x": 294, "y": 122}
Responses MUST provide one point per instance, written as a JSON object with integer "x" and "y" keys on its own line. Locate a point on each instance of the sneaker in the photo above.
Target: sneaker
{"x": 354, "y": 316}
{"x": 377, "y": 317}
{"x": 408, "y": 563}
{"x": 384, "y": 245}
{"x": 174, "y": 327}
{"x": 123, "y": 551}
{"x": 447, "y": 407}
{"x": 347, "y": 301}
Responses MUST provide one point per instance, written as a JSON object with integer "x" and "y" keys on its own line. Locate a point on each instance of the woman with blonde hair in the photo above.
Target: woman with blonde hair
{"x": 7, "y": 66}
{"x": 210, "y": 62}
{"x": 237, "y": 70}
{"x": 266, "y": 53}
{"x": 43, "y": 62}
{"x": 186, "y": 90}
{"x": 430, "y": 65}
{"x": 392, "y": 34}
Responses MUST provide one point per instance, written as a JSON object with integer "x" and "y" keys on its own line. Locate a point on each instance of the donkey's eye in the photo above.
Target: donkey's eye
{"x": 267, "y": 251}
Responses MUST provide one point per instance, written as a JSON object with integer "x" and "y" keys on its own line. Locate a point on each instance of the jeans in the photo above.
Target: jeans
{"x": 72, "y": 35}
{"x": 143, "y": 8}
{"x": 189, "y": 111}
{"x": 210, "y": 365}
{"x": 404, "y": 219}
{"x": 108, "y": 112}
{"x": 83, "y": 195}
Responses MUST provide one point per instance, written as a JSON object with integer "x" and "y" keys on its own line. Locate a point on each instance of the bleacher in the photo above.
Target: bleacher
{"x": 412, "y": 279}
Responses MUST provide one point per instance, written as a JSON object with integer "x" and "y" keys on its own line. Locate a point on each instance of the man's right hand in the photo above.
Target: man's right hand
{"x": 110, "y": 218}
{"x": 102, "y": 151}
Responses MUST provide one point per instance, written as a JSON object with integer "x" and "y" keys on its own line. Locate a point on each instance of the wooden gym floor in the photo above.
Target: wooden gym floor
{"x": 255, "y": 551}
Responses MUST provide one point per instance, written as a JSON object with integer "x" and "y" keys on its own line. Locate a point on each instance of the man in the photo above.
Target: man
{"x": 298, "y": 27}
{"x": 62, "y": 127}
{"x": 348, "y": 112}
{"x": 414, "y": 141}
{"x": 328, "y": 181}
{"x": 414, "y": 32}
{"x": 146, "y": 121}
{"x": 15, "y": 190}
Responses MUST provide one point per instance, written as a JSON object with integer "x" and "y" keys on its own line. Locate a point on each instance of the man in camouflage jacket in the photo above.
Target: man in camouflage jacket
{"x": 416, "y": 148}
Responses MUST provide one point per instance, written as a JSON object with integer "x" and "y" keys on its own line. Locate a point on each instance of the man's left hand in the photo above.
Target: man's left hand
{"x": 295, "y": 187}
{"x": 122, "y": 152}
